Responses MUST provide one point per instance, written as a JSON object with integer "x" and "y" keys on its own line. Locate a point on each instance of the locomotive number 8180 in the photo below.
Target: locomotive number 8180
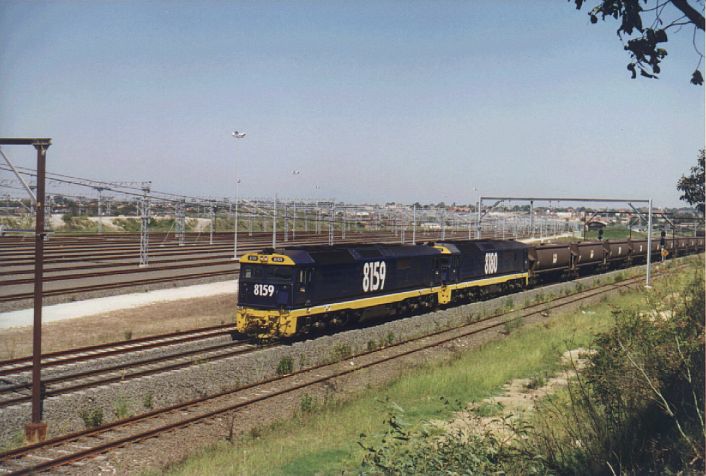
{"x": 491, "y": 263}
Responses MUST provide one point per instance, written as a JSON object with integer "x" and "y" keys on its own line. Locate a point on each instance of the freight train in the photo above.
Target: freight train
{"x": 296, "y": 290}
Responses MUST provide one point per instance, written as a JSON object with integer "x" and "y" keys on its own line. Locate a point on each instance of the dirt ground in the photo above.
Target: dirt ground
{"x": 158, "y": 318}
{"x": 517, "y": 399}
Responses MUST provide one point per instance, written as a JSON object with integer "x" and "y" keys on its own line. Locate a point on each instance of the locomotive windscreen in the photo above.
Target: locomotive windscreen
{"x": 266, "y": 272}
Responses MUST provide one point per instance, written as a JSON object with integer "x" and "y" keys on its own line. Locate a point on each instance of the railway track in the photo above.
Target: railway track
{"x": 81, "y": 354}
{"x": 70, "y": 382}
{"x": 175, "y": 350}
{"x": 169, "y": 265}
{"x": 72, "y": 449}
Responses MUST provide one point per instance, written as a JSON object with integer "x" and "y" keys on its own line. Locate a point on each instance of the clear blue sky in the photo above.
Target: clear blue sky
{"x": 372, "y": 101}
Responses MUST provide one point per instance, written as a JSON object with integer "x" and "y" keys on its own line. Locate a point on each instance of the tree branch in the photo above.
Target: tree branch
{"x": 690, "y": 12}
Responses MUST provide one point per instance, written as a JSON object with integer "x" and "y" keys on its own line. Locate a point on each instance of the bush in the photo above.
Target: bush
{"x": 636, "y": 408}
{"x": 403, "y": 450}
{"x": 148, "y": 401}
{"x": 92, "y": 418}
{"x": 306, "y": 405}
{"x": 120, "y": 408}
{"x": 511, "y": 324}
{"x": 341, "y": 351}
{"x": 285, "y": 366}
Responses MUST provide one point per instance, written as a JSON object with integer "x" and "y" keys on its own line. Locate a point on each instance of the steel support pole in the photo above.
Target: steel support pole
{"x": 274, "y": 223}
{"x": 100, "y": 211}
{"x": 294, "y": 221}
{"x": 531, "y": 217}
{"x": 144, "y": 231}
{"x": 414, "y": 223}
{"x": 648, "y": 282}
{"x": 37, "y": 430}
{"x": 235, "y": 219}
{"x": 48, "y": 211}
{"x": 443, "y": 224}
{"x": 343, "y": 224}
{"x": 479, "y": 205}
{"x": 331, "y": 218}
{"x": 403, "y": 226}
{"x": 182, "y": 224}
{"x": 212, "y": 216}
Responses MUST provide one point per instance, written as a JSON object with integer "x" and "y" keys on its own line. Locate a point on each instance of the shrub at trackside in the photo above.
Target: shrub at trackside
{"x": 635, "y": 409}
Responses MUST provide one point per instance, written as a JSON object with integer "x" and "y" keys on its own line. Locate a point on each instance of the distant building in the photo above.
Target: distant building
{"x": 596, "y": 225}
{"x": 430, "y": 225}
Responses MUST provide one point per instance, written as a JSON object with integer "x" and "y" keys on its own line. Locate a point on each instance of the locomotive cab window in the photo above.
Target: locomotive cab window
{"x": 267, "y": 272}
{"x": 304, "y": 276}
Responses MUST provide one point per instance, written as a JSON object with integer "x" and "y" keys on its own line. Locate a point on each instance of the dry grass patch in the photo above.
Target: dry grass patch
{"x": 158, "y": 318}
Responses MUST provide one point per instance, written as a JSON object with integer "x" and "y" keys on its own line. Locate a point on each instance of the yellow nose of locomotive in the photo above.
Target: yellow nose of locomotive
{"x": 265, "y": 323}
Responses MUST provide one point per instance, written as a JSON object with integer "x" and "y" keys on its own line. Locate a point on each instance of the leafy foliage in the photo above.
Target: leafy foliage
{"x": 406, "y": 450}
{"x": 285, "y": 366}
{"x": 645, "y": 43}
{"x": 693, "y": 185}
{"x": 637, "y": 408}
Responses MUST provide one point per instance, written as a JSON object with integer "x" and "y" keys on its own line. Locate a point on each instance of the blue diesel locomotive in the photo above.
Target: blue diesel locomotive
{"x": 292, "y": 291}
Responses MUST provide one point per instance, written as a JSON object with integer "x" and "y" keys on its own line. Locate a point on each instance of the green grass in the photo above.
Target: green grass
{"x": 325, "y": 441}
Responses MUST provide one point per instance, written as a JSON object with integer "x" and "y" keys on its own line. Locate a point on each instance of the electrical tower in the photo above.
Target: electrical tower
{"x": 145, "y": 224}
{"x": 180, "y": 219}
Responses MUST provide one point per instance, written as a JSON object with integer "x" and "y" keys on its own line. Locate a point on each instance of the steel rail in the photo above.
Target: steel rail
{"x": 102, "y": 287}
{"x": 80, "y": 354}
{"x": 241, "y": 347}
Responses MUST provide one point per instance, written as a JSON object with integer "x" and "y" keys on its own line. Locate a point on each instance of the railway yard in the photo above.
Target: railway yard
{"x": 164, "y": 386}
{"x": 93, "y": 265}
{"x": 123, "y": 383}
{"x": 110, "y": 403}
{"x": 282, "y": 238}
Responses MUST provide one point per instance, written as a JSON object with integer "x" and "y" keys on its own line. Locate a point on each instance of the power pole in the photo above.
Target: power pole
{"x": 180, "y": 221}
{"x": 294, "y": 220}
{"x": 100, "y": 209}
{"x": 443, "y": 224}
{"x": 144, "y": 225}
{"x": 274, "y": 223}
{"x": 343, "y": 224}
{"x": 286, "y": 222}
{"x": 414, "y": 223}
{"x": 47, "y": 214}
{"x": 36, "y": 430}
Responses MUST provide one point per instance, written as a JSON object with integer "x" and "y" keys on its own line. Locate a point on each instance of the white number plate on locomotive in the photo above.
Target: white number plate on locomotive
{"x": 264, "y": 290}
{"x": 374, "y": 276}
{"x": 491, "y": 263}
